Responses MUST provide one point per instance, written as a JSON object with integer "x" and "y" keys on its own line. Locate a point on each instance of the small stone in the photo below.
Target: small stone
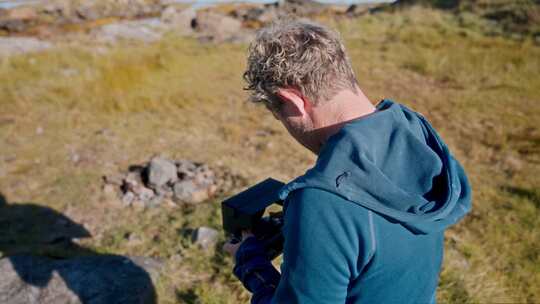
{"x": 186, "y": 169}
{"x": 165, "y": 192}
{"x": 189, "y": 192}
{"x": 161, "y": 172}
{"x": 75, "y": 157}
{"x": 144, "y": 194}
{"x": 39, "y": 130}
{"x": 132, "y": 181}
{"x": 154, "y": 202}
{"x": 205, "y": 237}
{"x": 128, "y": 198}
{"x": 133, "y": 239}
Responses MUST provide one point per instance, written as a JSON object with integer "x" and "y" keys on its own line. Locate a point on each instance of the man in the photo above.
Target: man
{"x": 366, "y": 223}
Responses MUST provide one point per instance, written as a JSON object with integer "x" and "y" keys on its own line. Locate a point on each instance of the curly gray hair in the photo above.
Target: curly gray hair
{"x": 299, "y": 54}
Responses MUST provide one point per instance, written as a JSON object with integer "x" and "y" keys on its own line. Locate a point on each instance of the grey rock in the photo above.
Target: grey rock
{"x": 263, "y": 14}
{"x": 133, "y": 239}
{"x": 161, "y": 172}
{"x": 18, "y": 19}
{"x": 88, "y": 12}
{"x": 203, "y": 175}
{"x": 128, "y": 198}
{"x": 13, "y": 26}
{"x": 92, "y": 279}
{"x": 181, "y": 20}
{"x": 165, "y": 192}
{"x": 154, "y": 202}
{"x": 144, "y": 194}
{"x": 205, "y": 237}
{"x": 169, "y": 14}
{"x": 217, "y": 27}
{"x": 186, "y": 168}
{"x": 146, "y": 30}
{"x": 188, "y": 191}
{"x": 75, "y": 157}
{"x": 132, "y": 181}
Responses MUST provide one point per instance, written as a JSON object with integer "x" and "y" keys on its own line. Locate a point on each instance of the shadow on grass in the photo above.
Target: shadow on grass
{"x": 453, "y": 288}
{"x": 533, "y": 195}
{"x": 37, "y": 249}
{"x": 187, "y": 296}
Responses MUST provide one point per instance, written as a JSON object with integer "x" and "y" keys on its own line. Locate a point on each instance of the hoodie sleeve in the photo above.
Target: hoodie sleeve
{"x": 324, "y": 246}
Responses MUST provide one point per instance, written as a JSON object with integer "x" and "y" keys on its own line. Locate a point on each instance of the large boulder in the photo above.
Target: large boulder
{"x": 91, "y": 280}
{"x": 205, "y": 237}
{"x": 161, "y": 172}
{"x": 217, "y": 27}
{"x": 197, "y": 183}
{"x": 180, "y": 20}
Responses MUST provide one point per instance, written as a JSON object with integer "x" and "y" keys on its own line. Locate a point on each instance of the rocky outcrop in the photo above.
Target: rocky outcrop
{"x": 108, "y": 22}
{"x": 164, "y": 180}
{"x": 217, "y": 27}
{"x": 98, "y": 279}
{"x": 181, "y": 21}
{"x": 23, "y": 18}
{"x": 18, "y": 19}
{"x": 146, "y": 30}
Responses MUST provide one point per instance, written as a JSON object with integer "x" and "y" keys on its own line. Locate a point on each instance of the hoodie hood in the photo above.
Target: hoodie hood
{"x": 394, "y": 163}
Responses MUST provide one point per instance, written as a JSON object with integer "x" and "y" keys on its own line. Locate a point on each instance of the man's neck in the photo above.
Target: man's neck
{"x": 332, "y": 115}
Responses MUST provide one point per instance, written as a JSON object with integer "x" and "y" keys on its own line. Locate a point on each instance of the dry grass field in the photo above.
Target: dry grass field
{"x": 70, "y": 115}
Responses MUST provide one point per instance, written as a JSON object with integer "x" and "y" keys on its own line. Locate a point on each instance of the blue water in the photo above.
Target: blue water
{"x": 10, "y": 4}
{"x": 14, "y": 3}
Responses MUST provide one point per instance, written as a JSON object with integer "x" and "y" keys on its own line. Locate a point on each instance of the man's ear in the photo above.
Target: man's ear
{"x": 294, "y": 100}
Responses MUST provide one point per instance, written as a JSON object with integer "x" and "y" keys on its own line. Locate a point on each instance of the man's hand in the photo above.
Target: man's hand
{"x": 231, "y": 248}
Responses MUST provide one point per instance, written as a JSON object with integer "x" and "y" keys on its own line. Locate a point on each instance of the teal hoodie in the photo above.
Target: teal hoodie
{"x": 366, "y": 223}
